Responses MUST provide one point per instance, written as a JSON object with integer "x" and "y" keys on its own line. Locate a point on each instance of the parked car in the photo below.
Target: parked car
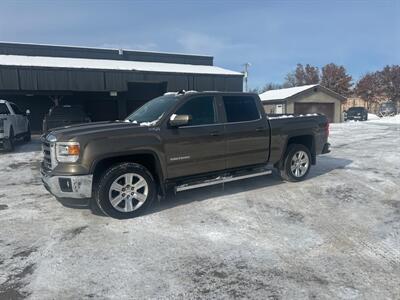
{"x": 14, "y": 124}
{"x": 387, "y": 109}
{"x": 178, "y": 141}
{"x": 357, "y": 113}
{"x": 64, "y": 115}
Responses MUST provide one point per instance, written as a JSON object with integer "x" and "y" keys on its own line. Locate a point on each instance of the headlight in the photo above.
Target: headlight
{"x": 1, "y": 125}
{"x": 67, "y": 151}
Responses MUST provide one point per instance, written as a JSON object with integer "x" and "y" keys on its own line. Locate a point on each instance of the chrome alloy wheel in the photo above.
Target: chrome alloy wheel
{"x": 299, "y": 164}
{"x": 128, "y": 192}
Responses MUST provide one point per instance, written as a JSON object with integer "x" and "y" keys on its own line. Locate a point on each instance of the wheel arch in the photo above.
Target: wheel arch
{"x": 147, "y": 158}
{"x": 307, "y": 140}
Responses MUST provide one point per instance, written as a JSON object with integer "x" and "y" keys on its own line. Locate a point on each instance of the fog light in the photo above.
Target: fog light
{"x": 65, "y": 184}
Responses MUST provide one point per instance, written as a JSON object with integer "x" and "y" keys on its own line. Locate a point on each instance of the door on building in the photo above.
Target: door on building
{"x": 327, "y": 109}
{"x": 141, "y": 92}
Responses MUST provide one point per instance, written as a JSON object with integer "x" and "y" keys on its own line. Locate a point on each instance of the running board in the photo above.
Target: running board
{"x": 218, "y": 180}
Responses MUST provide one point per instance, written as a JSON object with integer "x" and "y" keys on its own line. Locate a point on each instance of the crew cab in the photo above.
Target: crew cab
{"x": 178, "y": 141}
{"x": 14, "y": 124}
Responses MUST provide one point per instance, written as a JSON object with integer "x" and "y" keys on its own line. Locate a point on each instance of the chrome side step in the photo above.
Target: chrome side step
{"x": 218, "y": 180}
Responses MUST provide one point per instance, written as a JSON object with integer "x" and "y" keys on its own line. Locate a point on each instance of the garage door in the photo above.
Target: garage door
{"x": 327, "y": 109}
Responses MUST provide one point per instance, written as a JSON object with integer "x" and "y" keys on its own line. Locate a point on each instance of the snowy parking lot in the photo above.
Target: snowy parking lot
{"x": 335, "y": 235}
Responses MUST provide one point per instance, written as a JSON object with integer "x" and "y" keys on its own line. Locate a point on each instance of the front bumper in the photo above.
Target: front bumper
{"x": 76, "y": 187}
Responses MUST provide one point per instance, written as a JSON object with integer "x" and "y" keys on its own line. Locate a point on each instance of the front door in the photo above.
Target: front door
{"x": 198, "y": 147}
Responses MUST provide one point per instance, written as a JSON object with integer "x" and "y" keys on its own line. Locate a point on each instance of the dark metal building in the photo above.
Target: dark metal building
{"x": 108, "y": 83}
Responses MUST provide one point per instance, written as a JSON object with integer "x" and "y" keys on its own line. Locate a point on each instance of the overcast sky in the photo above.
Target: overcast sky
{"x": 272, "y": 35}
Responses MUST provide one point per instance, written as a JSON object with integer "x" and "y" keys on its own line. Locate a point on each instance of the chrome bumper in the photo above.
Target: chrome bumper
{"x": 77, "y": 187}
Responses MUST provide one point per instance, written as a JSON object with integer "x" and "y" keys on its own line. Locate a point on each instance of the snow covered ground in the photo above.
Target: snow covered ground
{"x": 335, "y": 235}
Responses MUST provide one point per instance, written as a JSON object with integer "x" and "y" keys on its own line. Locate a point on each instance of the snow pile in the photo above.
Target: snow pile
{"x": 387, "y": 120}
{"x": 372, "y": 117}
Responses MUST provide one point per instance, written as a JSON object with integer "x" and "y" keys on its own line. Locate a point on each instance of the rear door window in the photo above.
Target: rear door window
{"x": 240, "y": 109}
{"x": 201, "y": 110}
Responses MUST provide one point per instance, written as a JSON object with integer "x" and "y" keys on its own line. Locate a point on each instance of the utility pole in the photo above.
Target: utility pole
{"x": 246, "y": 75}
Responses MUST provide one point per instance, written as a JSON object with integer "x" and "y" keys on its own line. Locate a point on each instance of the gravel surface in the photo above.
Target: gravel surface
{"x": 335, "y": 235}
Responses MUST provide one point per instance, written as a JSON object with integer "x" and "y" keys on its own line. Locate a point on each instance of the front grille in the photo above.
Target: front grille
{"x": 49, "y": 152}
{"x": 46, "y": 155}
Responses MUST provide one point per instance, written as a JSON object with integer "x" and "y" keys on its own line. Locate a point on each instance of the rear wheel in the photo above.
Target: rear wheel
{"x": 125, "y": 191}
{"x": 297, "y": 163}
{"x": 8, "y": 143}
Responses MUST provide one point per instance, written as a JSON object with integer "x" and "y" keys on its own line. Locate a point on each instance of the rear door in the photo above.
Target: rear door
{"x": 247, "y": 132}
{"x": 198, "y": 147}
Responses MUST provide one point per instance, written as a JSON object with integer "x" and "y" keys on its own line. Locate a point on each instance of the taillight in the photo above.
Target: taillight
{"x": 327, "y": 129}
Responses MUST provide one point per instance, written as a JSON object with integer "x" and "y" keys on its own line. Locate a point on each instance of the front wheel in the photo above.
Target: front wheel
{"x": 125, "y": 191}
{"x": 297, "y": 163}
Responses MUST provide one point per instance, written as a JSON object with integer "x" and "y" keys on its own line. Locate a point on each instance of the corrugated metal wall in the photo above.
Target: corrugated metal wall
{"x": 53, "y": 79}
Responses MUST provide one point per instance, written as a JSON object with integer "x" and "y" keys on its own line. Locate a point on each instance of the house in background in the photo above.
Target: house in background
{"x": 304, "y": 100}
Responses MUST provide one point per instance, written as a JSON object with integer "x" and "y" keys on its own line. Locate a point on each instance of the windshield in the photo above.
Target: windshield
{"x": 152, "y": 112}
{"x": 355, "y": 109}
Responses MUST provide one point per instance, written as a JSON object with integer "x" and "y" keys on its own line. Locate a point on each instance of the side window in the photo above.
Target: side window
{"x": 15, "y": 109}
{"x": 240, "y": 108}
{"x": 4, "y": 109}
{"x": 201, "y": 109}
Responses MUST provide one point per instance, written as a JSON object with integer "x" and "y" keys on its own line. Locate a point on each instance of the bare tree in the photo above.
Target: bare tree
{"x": 311, "y": 74}
{"x": 368, "y": 88}
{"x": 290, "y": 80}
{"x": 335, "y": 77}
{"x": 302, "y": 76}
{"x": 390, "y": 82}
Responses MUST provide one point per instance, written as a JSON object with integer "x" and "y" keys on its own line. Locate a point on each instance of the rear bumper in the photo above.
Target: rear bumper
{"x": 326, "y": 149}
{"x": 75, "y": 187}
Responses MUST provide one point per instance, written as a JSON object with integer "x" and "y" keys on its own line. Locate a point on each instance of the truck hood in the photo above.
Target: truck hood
{"x": 95, "y": 130}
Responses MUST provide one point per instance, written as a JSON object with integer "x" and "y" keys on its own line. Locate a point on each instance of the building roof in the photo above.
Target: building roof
{"x": 108, "y": 64}
{"x": 285, "y": 94}
{"x": 9, "y": 48}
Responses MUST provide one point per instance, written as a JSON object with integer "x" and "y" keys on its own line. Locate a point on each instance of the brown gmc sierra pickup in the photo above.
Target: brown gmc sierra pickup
{"x": 177, "y": 141}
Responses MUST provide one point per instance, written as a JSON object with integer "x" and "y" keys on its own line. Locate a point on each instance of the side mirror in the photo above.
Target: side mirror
{"x": 179, "y": 120}
{"x": 27, "y": 112}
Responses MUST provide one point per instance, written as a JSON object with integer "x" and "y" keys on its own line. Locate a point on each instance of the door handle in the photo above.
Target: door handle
{"x": 215, "y": 133}
{"x": 258, "y": 129}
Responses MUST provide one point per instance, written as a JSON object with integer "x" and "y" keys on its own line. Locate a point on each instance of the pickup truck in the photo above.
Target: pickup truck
{"x": 178, "y": 141}
{"x": 14, "y": 124}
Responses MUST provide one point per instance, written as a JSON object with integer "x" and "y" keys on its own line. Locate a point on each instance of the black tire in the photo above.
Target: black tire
{"x": 286, "y": 172}
{"x": 102, "y": 191}
{"x": 8, "y": 143}
{"x": 27, "y": 136}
